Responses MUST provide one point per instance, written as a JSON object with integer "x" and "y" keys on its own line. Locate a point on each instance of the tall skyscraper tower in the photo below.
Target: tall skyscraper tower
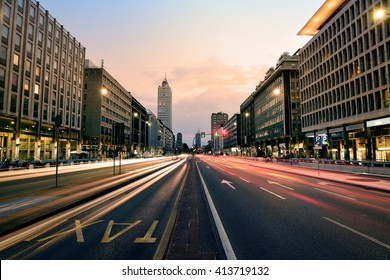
{"x": 164, "y": 110}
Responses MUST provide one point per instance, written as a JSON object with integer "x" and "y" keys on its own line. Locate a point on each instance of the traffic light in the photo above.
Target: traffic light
{"x": 224, "y": 133}
{"x": 203, "y": 134}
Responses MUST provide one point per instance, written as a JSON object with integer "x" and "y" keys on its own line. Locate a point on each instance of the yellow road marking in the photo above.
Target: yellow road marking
{"x": 106, "y": 238}
{"x": 148, "y": 236}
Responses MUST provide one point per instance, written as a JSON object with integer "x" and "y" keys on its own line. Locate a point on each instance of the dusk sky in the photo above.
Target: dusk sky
{"x": 213, "y": 52}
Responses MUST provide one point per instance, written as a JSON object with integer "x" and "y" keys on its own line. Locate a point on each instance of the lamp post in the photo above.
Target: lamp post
{"x": 380, "y": 13}
{"x": 246, "y": 136}
{"x": 135, "y": 115}
{"x": 92, "y": 110}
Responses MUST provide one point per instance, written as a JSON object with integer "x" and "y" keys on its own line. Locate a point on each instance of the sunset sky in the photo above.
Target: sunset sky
{"x": 213, "y": 52}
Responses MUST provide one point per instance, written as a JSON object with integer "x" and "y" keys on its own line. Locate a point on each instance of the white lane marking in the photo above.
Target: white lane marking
{"x": 244, "y": 180}
{"x": 230, "y": 184}
{"x": 272, "y": 193}
{"x": 280, "y": 185}
{"x": 227, "y": 246}
{"x": 335, "y": 194}
{"x": 387, "y": 246}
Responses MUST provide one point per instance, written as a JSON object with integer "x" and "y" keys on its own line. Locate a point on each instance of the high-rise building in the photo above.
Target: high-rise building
{"x": 217, "y": 121}
{"x": 179, "y": 140}
{"x": 41, "y": 77}
{"x": 164, "y": 109}
{"x": 276, "y": 109}
{"x": 345, "y": 81}
{"x": 105, "y": 104}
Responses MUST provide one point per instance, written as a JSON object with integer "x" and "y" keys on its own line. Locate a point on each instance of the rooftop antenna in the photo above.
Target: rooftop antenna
{"x": 102, "y": 63}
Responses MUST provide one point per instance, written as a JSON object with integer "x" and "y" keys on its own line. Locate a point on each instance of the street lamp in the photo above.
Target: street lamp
{"x": 135, "y": 115}
{"x": 380, "y": 13}
{"x": 92, "y": 110}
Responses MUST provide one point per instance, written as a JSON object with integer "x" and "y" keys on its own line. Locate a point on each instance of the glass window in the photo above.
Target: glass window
{"x": 14, "y": 99}
{"x": 14, "y": 82}
{"x": 5, "y": 34}
{"x": 1, "y": 100}
{"x": 18, "y": 42}
{"x": 7, "y": 12}
{"x": 25, "y": 106}
{"x": 41, "y": 19}
{"x": 16, "y": 60}
{"x": 30, "y": 31}
{"x": 27, "y": 67}
{"x": 3, "y": 55}
{"x": 36, "y": 89}
{"x": 19, "y": 22}
{"x": 2, "y": 77}
{"x": 27, "y": 88}
{"x": 32, "y": 11}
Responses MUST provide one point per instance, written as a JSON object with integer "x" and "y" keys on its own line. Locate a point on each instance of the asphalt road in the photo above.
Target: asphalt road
{"x": 202, "y": 208}
{"x": 127, "y": 223}
{"x": 269, "y": 214}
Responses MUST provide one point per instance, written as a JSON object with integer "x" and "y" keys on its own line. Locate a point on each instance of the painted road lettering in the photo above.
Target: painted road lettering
{"x": 148, "y": 239}
{"x": 106, "y": 238}
{"x": 78, "y": 230}
{"x": 108, "y": 235}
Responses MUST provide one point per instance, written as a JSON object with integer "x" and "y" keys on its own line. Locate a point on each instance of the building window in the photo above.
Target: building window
{"x": 27, "y": 66}
{"x": 3, "y": 55}
{"x": 26, "y": 106}
{"x": 36, "y": 109}
{"x": 14, "y": 82}
{"x": 7, "y": 13}
{"x": 19, "y": 23}
{"x": 36, "y": 91}
{"x": 27, "y": 89}
{"x": 2, "y": 77}
{"x": 21, "y": 4}
{"x": 16, "y": 61}
{"x": 18, "y": 42}
{"x": 14, "y": 99}
{"x": 1, "y": 99}
{"x": 31, "y": 31}
{"x": 5, "y": 34}
{"x": 32, "y": 12}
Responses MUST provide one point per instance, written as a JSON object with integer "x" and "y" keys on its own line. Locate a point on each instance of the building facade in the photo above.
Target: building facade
{"x": 217, "y": 121}
{"x": 277, "y": 109}
{"x": 247, "y": 112}
{"x": 232, "y": 139}
{"x": 164, "y": 108}
{"x": 153, "y": 134}
{"x": 105, "y": 104}
{"x": 179, "y": 140}
{"x": 139, "y": 138}
{"x": 41, "y": 77}
{"x": 345, "y": 81}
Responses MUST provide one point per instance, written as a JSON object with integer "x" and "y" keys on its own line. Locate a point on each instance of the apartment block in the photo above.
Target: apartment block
{"x": 345, "y": 81}
{"x": 276, "y": 101}
{"x": 41, "y": 77}
{"x": 106, "y": 104}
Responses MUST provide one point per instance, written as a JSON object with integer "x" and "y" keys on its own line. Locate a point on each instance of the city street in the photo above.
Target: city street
{"x": 272, "y": 214}
{"x": 203, "y": 207}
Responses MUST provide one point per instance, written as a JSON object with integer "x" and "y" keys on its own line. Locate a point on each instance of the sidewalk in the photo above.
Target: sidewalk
{"x": 366, "y": 181}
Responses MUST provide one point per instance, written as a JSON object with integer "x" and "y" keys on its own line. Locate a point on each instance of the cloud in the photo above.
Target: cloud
{"x": 209, "y": 87}
{"x": 199, "y": 90}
